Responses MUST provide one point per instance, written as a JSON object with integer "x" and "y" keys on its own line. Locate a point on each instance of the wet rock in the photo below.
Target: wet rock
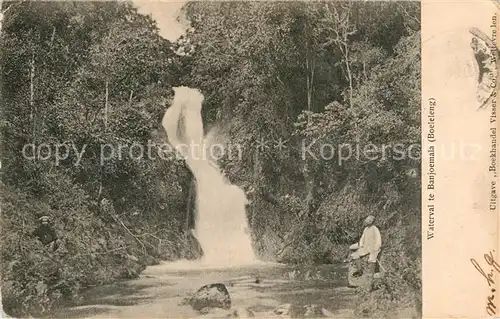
{"x": 132, "y": 257}
{"x": 282, "y": 310}
{"x": 210, "y": 296}
{"x": 149, "y": 260}
{"x": 243, "y": 313}
{"x": 313, "y": 311}
{"x": 365, "y": 309}
{"x": 191, "y": 249}
{"x": 364, "y": 281}
{"x": 131, "y": 269}
{"x": 203, "y": 311}
{"x": 326, "y": 313}
{"x": 289, "y": 311}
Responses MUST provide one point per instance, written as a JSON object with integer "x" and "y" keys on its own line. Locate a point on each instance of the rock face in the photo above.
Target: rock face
{"x": 191, "y": 248}
{"x": 210, "y": 296}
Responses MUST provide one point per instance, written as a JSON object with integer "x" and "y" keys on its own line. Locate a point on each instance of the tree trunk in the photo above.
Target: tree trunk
{"x": 101, "y": 164}
{"x": 2, "y": 12}
{"x": 32, "y": 96}
{"x": 256, "y": 173}
{"x": 130, "y": 98}
{"x": 106, "y": 108}
{"x": 308, "y": 176}
{"x": 348, "y": 68}
{"x": 53, "y": 36}
{"x": 308, "y": 83}
{"x": 349, "y": 76}
{"x": 311, "y": 102}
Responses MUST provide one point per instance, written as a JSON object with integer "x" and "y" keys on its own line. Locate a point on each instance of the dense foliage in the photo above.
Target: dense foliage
{"x": 93, "y": 77}
{"x": 295, "y": 85}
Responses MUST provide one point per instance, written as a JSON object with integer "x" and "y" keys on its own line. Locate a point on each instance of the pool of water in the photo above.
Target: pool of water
{"x": 262, "y": 287}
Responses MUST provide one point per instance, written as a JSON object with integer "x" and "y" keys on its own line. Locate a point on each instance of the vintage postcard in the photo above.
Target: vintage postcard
{"x": 460, "y": 268}
{"x": 237, "y": 159}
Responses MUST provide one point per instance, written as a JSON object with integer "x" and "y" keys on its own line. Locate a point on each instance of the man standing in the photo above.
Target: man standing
{"x": 46, "y": 233}
{"x": 369, "y": 244}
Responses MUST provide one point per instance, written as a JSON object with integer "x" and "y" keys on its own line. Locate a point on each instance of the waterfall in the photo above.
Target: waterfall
{"x": 221, "y": 225}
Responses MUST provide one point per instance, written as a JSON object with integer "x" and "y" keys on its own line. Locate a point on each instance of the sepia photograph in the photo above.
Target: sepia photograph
{"x": 209, "y": 159}
{"x": 460, "y": 217}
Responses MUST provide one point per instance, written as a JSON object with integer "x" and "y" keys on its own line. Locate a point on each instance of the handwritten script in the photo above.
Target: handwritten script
{"x": 494, "y": 266}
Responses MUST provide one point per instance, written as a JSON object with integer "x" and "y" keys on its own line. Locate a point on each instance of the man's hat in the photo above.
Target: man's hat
{"x": 370, "y": 219}
{"x": 44, "y": 219}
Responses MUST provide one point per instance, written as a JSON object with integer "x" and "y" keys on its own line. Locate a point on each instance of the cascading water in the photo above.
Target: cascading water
{"x": 221, "y": 223}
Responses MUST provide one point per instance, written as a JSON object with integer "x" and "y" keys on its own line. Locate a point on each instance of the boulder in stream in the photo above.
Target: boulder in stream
{"x": 210, "y": 296}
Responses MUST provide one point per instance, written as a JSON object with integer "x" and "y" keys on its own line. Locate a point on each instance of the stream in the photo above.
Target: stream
{"x": 159, "y": 291}
{"x": 222, "y": 231}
